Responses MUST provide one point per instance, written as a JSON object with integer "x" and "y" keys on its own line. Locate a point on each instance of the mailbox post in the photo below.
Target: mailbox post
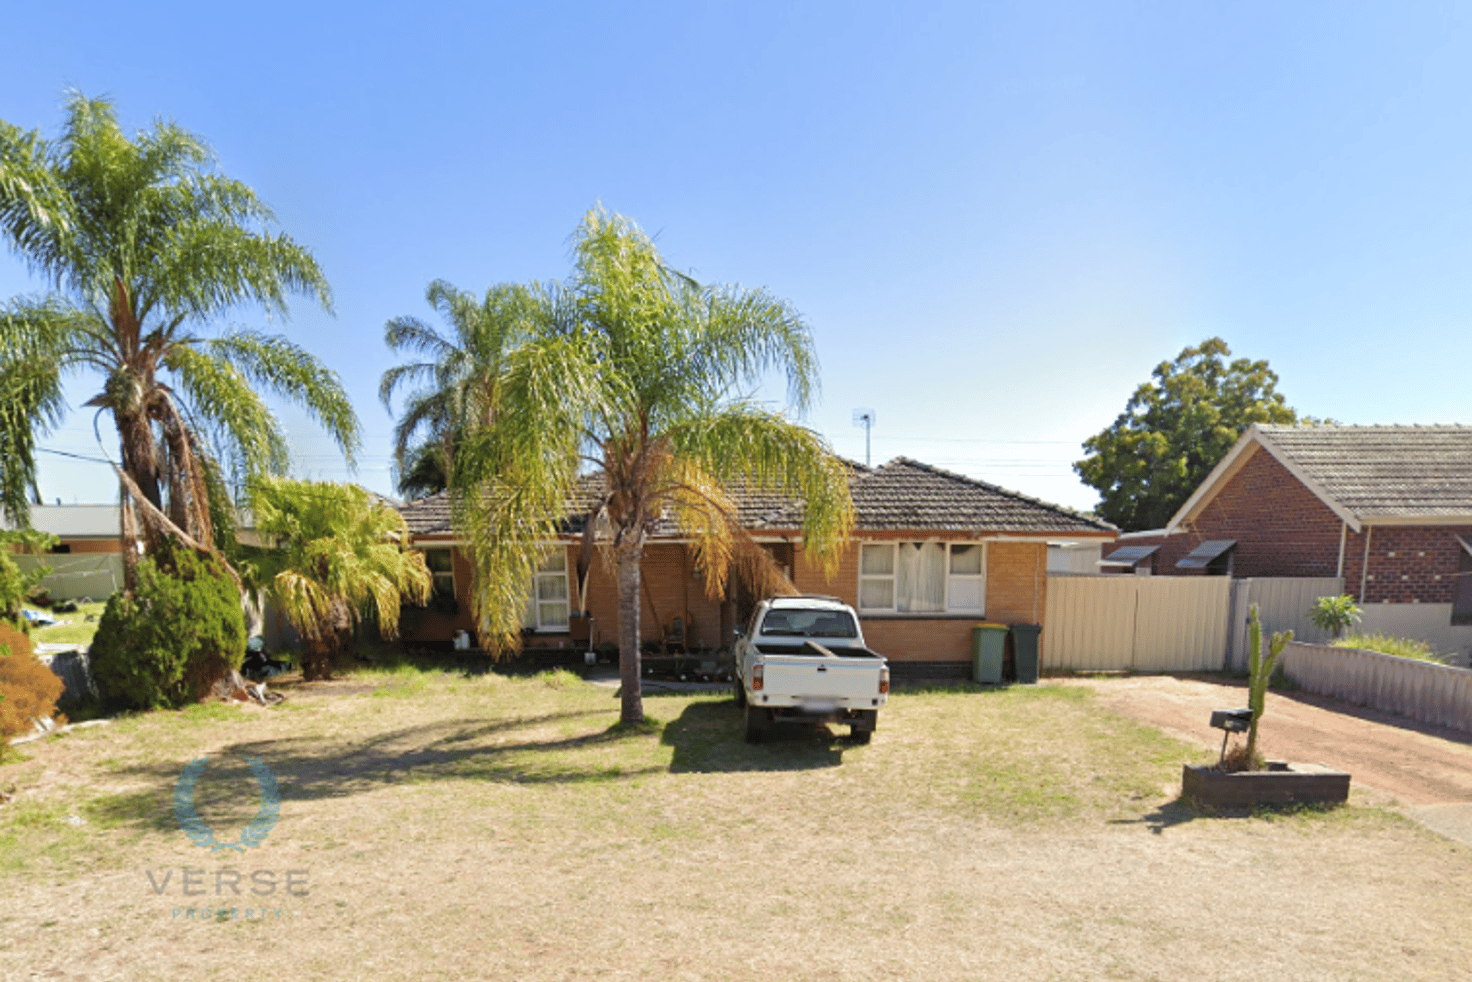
{"x": 1230, "y": 721}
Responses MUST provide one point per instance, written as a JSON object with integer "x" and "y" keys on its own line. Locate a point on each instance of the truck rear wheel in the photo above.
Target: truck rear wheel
{"x": 740, "y": 692}
{"x": 859, "y": 736}
{"x": 756, "y": 723}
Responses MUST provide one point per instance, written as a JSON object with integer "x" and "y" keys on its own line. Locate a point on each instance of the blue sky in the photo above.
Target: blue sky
{"x": 996, "y": 217}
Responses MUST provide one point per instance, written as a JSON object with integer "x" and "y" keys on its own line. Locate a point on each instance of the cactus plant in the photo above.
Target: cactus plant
{"x": 1259, "y": 671}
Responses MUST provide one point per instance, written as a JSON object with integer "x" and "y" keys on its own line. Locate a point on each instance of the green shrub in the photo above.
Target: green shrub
{"x": 1387, "y": 645}
{"x": 1334, "y": 614}
{"x": 164, "y": 645}
{"x": 15, "y": 585}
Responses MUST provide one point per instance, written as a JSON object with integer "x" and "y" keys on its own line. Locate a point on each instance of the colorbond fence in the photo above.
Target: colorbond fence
{"x": 1423, "y": 691}
{"x": 1136, "y": 623}
{"x": 1283, "y": 604}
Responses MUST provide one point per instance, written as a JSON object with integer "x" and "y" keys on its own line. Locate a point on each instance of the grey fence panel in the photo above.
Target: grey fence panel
{"x": 1147, "y": 624}
{"x": 1283, "y": 604}
{"x": 1424, "y": 691}
{"x": 85, "y": 574}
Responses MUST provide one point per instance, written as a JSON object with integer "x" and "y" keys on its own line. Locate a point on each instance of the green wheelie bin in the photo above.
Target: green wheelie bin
{"x": 987, "y": 645}
{"x": 1025, "y": 651}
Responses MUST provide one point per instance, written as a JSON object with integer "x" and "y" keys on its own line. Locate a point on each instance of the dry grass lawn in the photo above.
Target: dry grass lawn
{"x": 491, "y": 828}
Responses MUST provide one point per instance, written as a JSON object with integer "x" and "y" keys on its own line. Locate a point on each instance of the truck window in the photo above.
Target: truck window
{"x": 809, "y": 624}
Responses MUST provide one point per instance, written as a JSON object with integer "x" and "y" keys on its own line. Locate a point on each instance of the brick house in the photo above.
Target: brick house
{"x": 932, "y": 554}
{"x": 1386, "y": 508}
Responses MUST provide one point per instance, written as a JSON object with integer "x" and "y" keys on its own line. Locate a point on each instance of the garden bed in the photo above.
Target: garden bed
{"x": 1280, "y": 784}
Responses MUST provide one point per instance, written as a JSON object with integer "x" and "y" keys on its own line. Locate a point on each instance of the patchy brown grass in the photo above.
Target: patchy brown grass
{"x": 470, "y": 828}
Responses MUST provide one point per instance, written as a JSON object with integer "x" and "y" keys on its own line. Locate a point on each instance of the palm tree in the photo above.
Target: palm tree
{"x": 635, "y": 373}
{"x": 144, "y": 246}
{"x": 334, "y": 557}
{"x": 456, "y": 382}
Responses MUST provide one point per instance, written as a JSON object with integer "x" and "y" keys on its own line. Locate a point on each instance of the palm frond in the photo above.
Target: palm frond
{"x": 295, "y": 374}
{"x": 218, "y": 392}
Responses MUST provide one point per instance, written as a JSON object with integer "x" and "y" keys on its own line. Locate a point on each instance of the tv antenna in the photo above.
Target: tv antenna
{"x": 865, "y": 418}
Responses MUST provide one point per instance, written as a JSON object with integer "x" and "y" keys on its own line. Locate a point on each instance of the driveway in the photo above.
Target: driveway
{"x": 1424, "y": 770}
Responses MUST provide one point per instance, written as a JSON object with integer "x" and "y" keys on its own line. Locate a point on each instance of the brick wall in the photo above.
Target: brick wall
{"x": 1280, "y": 526}
{"x": 1016, "y": 593}
{"x": 1283, "y": 529}
{"x": 1410, "y": 564}
{"x": 671, "y": 588}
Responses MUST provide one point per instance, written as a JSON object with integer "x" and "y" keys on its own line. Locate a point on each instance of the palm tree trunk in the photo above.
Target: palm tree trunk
{"x": 140, "y": 461}
{"x": 630, "y": 563}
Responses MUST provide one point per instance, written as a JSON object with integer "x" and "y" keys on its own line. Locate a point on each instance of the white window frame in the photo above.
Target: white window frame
{"x": 947, "y": 607}
{"x": 437, "y": 576}
{"x": 535, "y": 617}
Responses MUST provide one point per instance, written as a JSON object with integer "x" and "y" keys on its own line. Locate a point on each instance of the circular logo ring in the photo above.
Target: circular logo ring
{"x": 200, "y": 833}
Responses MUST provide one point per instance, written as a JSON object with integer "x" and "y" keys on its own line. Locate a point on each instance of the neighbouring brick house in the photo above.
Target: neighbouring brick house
{"x": 932, "y": 554}
{"x": 1387, "y": 508}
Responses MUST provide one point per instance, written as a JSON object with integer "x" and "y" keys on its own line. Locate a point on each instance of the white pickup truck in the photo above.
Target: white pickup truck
{"x": 803, "y": 660}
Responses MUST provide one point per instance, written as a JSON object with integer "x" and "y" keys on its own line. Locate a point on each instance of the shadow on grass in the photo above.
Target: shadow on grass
{"x": 709, "y": 737}
{"x": 312, "y": 768}
{"x": 1176, "y": 812}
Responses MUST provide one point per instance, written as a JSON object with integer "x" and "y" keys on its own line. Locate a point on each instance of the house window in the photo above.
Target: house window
{"x": 547, "y": 605}
{"x": 442, "y": 568}
{"x": 1462, "y": 595}
{"x": 923, "y": 577}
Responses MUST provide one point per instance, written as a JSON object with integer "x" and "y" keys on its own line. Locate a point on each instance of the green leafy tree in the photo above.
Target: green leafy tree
{"x": 453, "y": 386}
{"x": 637, "y": 372}
{"x": 144, "y": 247}
{"x": 336, "y": 556}
{"x": 1174, "y": 430}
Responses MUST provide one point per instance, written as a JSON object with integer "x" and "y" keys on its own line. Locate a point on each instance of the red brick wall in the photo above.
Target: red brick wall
{"x": 1280, "y": 526}
{"x": 1283, "y": 529}
{"x": 1411, "y": 564}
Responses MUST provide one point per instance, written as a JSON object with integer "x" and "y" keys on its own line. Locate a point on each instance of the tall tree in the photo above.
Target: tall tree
{"x": 1174, "y": 430}
{"x": 337, "y": 557}
{"x": 145, "y": 247}
{"x": 456, "y": 378}
{"x": 638, "y": 372}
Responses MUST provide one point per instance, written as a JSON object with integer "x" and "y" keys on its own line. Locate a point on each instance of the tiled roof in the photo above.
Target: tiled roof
{"x": 902, "y": 495}
{"x": 1384, "y": 471}
{"x": 905, "y": 495}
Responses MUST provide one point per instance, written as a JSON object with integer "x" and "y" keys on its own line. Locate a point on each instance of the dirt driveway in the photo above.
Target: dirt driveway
{"x": 1424, "y": 770}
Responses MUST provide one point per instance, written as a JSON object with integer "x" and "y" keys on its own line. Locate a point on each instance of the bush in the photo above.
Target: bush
{"x": 28, "y": 689}
{"x": 168, "y": 642}
{"x": 1385, "y": 644}
{"x": 1334, "y": 614}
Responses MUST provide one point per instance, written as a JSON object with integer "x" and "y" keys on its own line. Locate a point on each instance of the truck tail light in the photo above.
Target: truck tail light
{"x": 756, "y": 678}
{"x": 884, "y": 680}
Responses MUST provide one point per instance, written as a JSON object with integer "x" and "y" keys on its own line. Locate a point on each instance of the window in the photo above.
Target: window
{"x": 547, "y": 606}
{"x": 1462, "y": 592}
{"x": 923, "y": 577}
{"x": 803, "y": 623}
{"x": 442, "y": 568}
